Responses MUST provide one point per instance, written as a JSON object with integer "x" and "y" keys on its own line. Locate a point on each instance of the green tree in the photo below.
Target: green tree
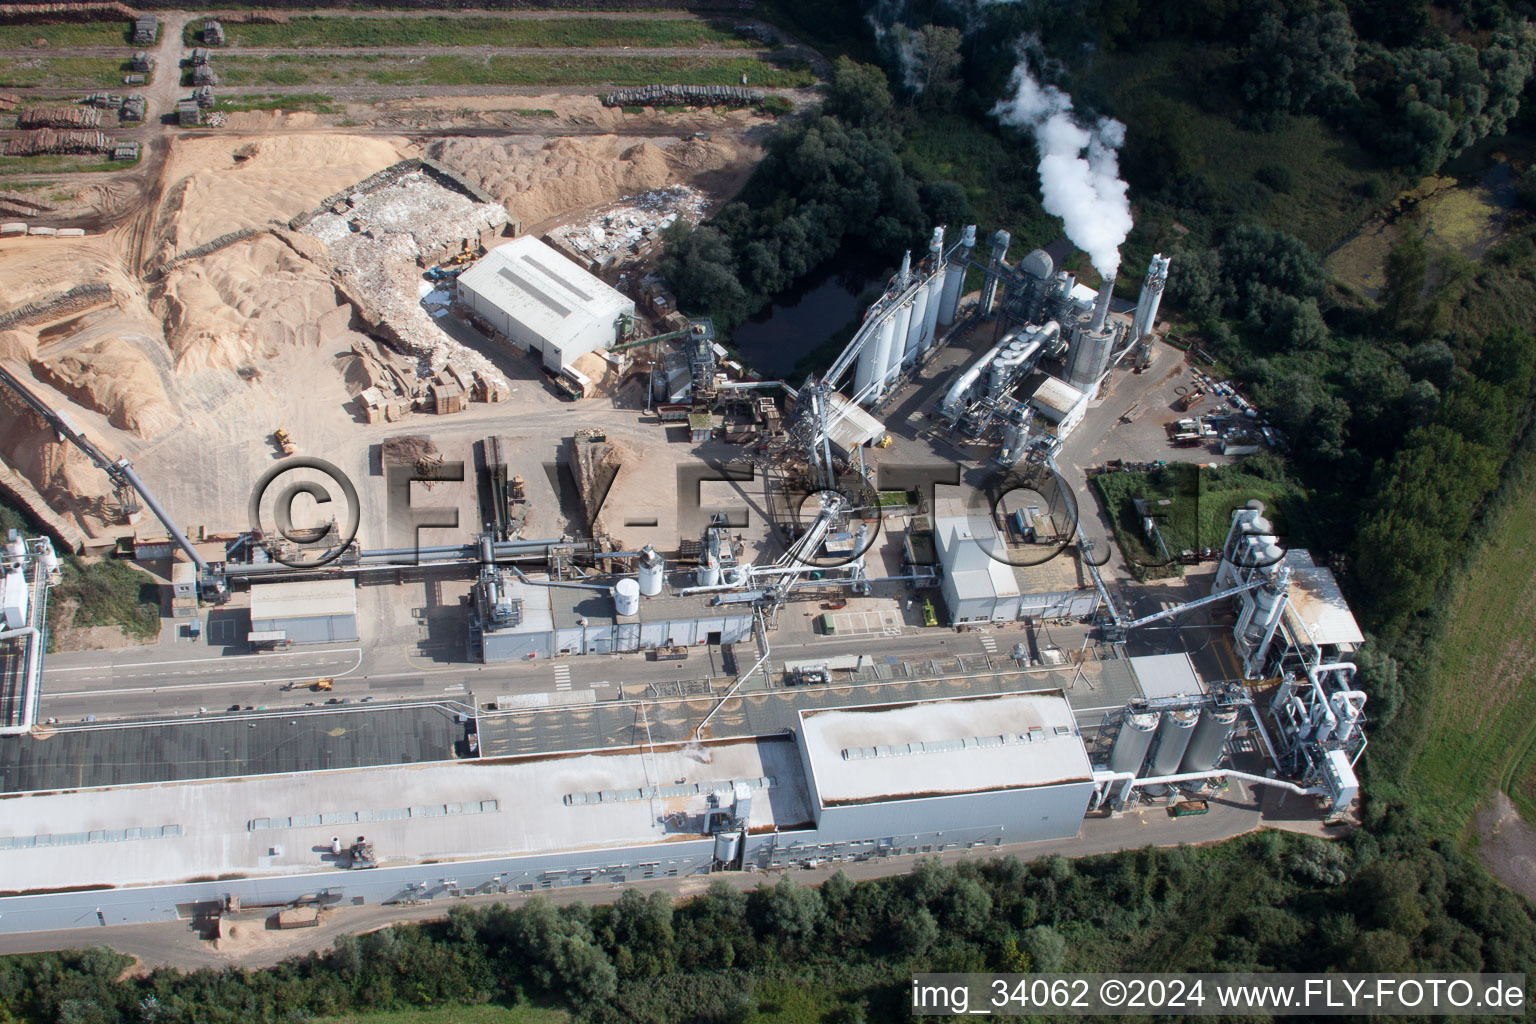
{"x": 1045, "y": 947}
{"x": 1405, "y": 272}
{"x": 1302, "y": 65}
{"x": 858, "y": 93}
{"x": 938, "y": 49}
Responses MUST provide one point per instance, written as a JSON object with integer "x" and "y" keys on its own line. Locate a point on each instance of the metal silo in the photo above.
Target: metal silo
{"x": 1172, "y": 740}
{"x": 1209, "y": 739}
{"x": 903, "y": 320}
{"x": 652, "y": 569}
{"x": 1135, "y": 736}
{"x": 915, "y": 327}
{"x": 954, "y": 277}
{"x": 873, "y": 358}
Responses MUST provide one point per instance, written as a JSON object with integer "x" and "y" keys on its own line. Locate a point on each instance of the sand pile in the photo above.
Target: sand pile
{"x": 243, "y": 304}
{"x": 114, "y": 378}
{"x": 540, "y": 181}
{"x": 218, "y": 185}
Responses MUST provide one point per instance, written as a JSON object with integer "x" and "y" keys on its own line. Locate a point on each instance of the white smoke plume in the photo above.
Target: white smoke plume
{"x": 1079, "y": 167}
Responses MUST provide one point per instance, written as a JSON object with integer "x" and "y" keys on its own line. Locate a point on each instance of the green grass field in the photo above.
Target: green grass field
{"x": 63, "y": 72}
{"x": 619, "y": 71}
{"x": 318, "y": 102}
{"x": 1476, "y": 731}
{"x": 456, "y": 1015}
{"x": 50, "y": 163}
{"x": 99, "y": 33}
{"x": 1198, "y": 512}
{"x": 556, "y": 32}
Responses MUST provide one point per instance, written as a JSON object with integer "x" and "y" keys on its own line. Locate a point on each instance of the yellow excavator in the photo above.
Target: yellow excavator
{"x": 284, "y": 441}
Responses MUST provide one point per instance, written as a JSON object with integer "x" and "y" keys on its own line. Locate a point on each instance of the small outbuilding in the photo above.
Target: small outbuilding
{"x": 304, "y": 612}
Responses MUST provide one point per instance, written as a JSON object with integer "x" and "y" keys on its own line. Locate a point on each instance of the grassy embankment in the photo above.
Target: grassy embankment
{"x": 98, "y": 33}
{"x": 1198, "y": 512}
{"x": 556, "y": 32}
{"x": 106, "y": 592}
{"x": 1474, "y": 730}
{"x": 58, "y": 163}
{"x": 586, "y": 70}
{"x": 63, "y": 73}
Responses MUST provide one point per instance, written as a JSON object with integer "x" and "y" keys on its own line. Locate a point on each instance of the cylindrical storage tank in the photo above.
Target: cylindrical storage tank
{"x": 1209, "y": 739}
{"x": 709, "y": 572}
{"x": 626, "y": 597}
{"x": 879, "y": 348}
{"x": 1130, "y": 748}
{"x": 652, "y": 569}
{"x": 901, "y": 320}
{"x": 915, "y": 326}
{"x": 1173, "y": 740}
{"x": 869, "y": 356}
{"x": 725, "y": 847}
{"x": 931, "y": 318}
{"x": 949, "y": 300}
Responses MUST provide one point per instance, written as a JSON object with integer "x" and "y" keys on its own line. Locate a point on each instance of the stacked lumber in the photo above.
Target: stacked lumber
{"x": 23, "y": 14}
{"x": 59, "y": 117}
{"x": 50, "y": 141}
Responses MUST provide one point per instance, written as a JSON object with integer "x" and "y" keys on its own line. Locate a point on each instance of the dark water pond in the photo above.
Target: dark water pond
{"x": 807, "y": 316}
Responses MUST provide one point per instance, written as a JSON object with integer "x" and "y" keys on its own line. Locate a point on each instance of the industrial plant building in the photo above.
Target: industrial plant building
{"x": 513, "y": 620}
{"x": 981, "y": 583}
{"x": 540, "y": 300}
{"x": 852, "y": 782}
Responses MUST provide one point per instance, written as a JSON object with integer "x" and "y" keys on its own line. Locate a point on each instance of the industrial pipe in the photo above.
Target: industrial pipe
{"x": 523, "y": 577}
{"x": 29, "y": 682}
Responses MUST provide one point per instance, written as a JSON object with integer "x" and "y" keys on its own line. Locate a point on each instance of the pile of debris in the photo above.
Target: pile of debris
{"x": 59, "y": 117}
{"x": 50, "y": 141}
{"x": 686, "y": 95}
{"x": 379, "y": 241}
{"x": 627, "y": 230}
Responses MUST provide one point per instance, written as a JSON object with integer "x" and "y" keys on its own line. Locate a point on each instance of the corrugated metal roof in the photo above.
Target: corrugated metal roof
{"x": 542, "y": 290}
{"x": 1320, "y": 608}
{"x": 856, "y": 427}
{"x": 1167, "y": 675}
{"x": 1057, "y": 396}
{"x": 303, "y": 599}
{"x": 1042, "y": 748}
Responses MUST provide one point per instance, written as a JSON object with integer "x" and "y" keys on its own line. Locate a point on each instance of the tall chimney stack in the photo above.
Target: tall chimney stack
{"x": 1101, "y": 305}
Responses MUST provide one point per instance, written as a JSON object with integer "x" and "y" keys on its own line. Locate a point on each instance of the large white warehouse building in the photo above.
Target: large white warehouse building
{"x": 542, "y": 301}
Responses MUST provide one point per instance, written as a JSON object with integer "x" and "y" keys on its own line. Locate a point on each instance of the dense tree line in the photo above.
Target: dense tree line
{"x": 828, "y": 180}
{"x": 1387, "y": 900}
